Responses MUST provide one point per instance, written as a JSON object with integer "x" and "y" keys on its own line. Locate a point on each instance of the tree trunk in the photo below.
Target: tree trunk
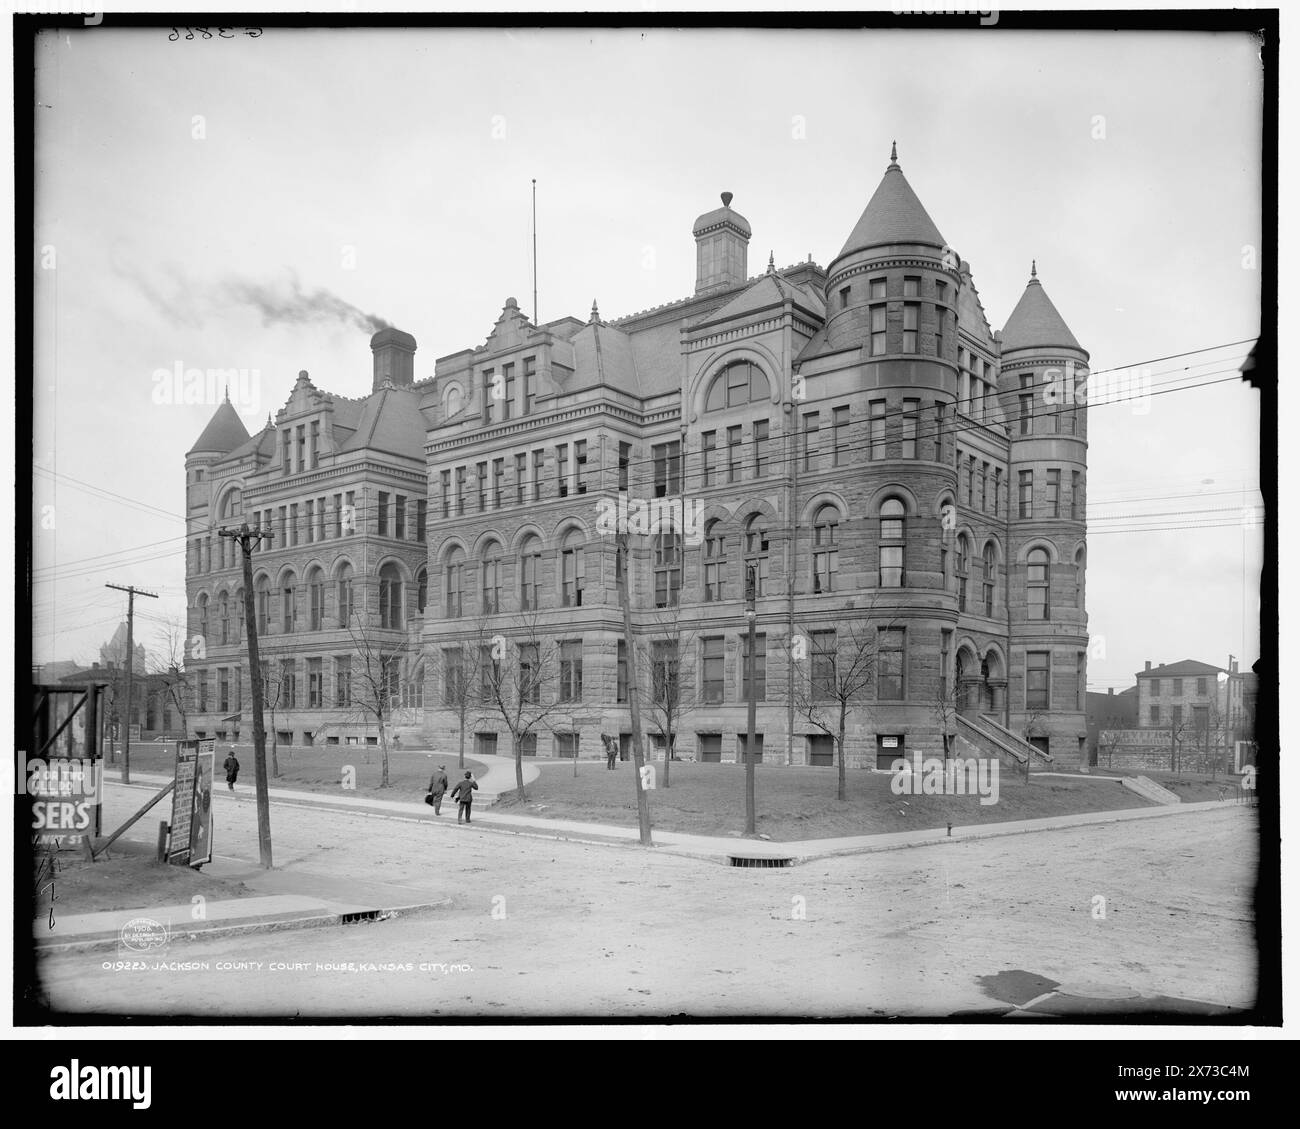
{"x": 519, "y": 768}
{"x": 842, "y": 794}
{"x": 383, "y": 753}
{"x": 462, "y": 741}
{"x": 633, "y": 692}
{"x": 670, "y": 739}
{"x": 275, "y": 745}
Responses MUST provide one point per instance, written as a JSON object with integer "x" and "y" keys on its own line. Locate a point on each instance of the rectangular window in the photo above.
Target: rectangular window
{"x": 315, "y": 684}
{"x": 489, "y": 394}
{"x": 521, "y": 476}
{"x": 288, "y": 684}
{"x": 877, "y": 429}
{"x": 539, "y": 466}
{"x": 621, "y": 690}
{"x": 507, "y": 389}
{"x": 399, "y": 517}
{"x": 878, "y": 289}
{"x": 313, "y": 445}
{"x": 733, "y": 453}
{"x": 286, "y": 452}
{"x": 446, "y": 493}
{"x": 758, "y": 674}
{"x": 822, "y": 675}
{"x": 580, "y": 466}
{"x": 970, "y": 482}
{"x": 938, "y": 431}
{"x": 713, "y": 649}
{"x": 571, "y": 670}
{"x": 715, "y": 566}
{"x": 997, "y": 490}
{"x": 668, "y": 468}
{"x": 530, "y": 674}
{"x": 1155, "y": 687}
{"x": 844, "y": 298}
{"x": 1076, "y": 507}
{"x": 708, "y": 448}
{"x": 1200, "y": 687}
{"x": 1026, "y": 405}
{"x": 1177, "y": 687}
{"x": 311, "y": 524}
{"x": 667, "y": 569}
{"x": 945, "y": 663}
{"x": 761, "y": 456}
{"x": 1177, "y": 717}
{"x": 1037, "y": 680}
{"x": 481, "y": 485}
{"x": 498, "y": 481}
{"x": 840, "y": 423}
{"x": 223, "y": 689}
{"x": 878, "y": 321}
{"x": 1054, "y": 493}
{"x": 562, "y": 469}
{"x": 302, "y": 446}
{"x": 891, "y": 684}
{"x": 939, "y": 314}
{"x": 1026, "y": 493}
{"x": 530, "y": 375}
{"x": 453, "y": 686}
{"x": 811, "y": 448}
{"x": 422, "y": 520}
{"x": 293, "y": 523}
{"x": 624, "y": 462}
{"x": 572, "y": 576}
{"x": 665, "y": 672}
{"x": 458, "y": 500}
{"x": 911, "y": 410}
{"x": 911, "y": 315}
{"x": 984, "y": 487}
{"x": 383, "y": 514}
{"x": 911, "y": 286}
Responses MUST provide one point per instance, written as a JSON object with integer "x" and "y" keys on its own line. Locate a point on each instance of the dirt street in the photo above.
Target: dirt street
{"x": 540, "y": 928}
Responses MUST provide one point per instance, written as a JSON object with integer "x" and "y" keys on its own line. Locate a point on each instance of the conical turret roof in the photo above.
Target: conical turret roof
{"x": 225, "y": 432}
{"x": 1035, "y": 322}
{"x": 894, "y": 214}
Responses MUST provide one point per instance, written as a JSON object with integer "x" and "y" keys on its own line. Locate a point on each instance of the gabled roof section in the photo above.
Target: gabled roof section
{"x": 390, "y": 422}
{"x": 1182, "y": 669}
{"x": 602, "y": 355}
{"x": 263, "y": 443}
{"x": 225, "y": 432}
{"x": 1035, "y": 322}
{"x": 769, "y": 290}
{"x": 894, "y": 214}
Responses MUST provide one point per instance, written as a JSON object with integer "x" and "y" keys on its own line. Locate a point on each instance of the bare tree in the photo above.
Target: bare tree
{"x": 272, "y": 691}
{"x": 673, "y": 694}
{"x": 835, "y": 671}
{"x": 945, "y": 711}
{"x": 168, "y": 663}
{"x": 375, "y": 682}
{"x": 513, "y": 684}
{"x": 457, "y": 678}
{"x": 1031, "y": 728}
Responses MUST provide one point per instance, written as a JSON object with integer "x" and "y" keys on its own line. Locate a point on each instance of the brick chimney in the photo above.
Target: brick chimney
{"x": 394, "y": 353}
{"x": 1148, "y": 664}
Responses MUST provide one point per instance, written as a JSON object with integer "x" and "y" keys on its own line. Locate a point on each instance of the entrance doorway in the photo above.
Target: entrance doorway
{"x": 821, "y": 750}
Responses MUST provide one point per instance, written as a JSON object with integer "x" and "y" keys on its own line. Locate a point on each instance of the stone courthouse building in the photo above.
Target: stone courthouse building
{"x": 905, "y": 482}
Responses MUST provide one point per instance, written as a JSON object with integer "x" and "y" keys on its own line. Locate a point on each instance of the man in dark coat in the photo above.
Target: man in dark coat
{"x": 437, "y": 786}
{"x": 231, "y": 765}
{"x": 463, "y": 793}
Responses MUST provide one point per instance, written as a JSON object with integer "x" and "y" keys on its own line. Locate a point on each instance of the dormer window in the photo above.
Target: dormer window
{"x": 738, "y": 384}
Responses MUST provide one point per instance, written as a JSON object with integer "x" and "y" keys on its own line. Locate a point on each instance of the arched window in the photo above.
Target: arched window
{"x": 451, "y": 401}
{"x": 667, "y": 569}
{"x": 1037, "y": 581}
{"x": 963, "y": 570}
{"x": 573, "y": 569}
{"x": 413, "y": 689}
{"x": 455, "y": 582}
{"x": 530, "y": 567}
{"x": 315, "y": 600}
{"x": 491, "y": 587}
{"x": 262, "y": 602}
{"x": 756, "y": 550}
{"x": 232, "y": 505}
{"x": 390, "y": 597}
{"x": 990, "y": 572}
{"x": 715, "y": 562}
{"x": 236, "y": 614}
{"x": 223, "y": 616}
{"x": 288, "y": 603}
{"x": 737, "y": 384}
{"x": 421, "y": 589}
{"x": 893, "y": 543}
{"x": 825, "y": 548}
{"x": 345, "y": 595}
{"x": 1079, "y": 568}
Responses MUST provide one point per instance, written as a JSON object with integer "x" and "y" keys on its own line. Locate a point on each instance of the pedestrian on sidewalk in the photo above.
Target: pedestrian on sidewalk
{"x": 611, "y": 749}
{"x": 231, "y": 765}
{"x": 463, "y": 793}
{"x": 437, "y": 786}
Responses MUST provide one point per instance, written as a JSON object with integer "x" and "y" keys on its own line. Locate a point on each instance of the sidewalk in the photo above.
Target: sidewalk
{"x": 293, "y": 899}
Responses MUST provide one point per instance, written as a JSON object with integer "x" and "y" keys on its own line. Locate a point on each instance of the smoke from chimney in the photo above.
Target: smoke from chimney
{"x": 282, "y": 301}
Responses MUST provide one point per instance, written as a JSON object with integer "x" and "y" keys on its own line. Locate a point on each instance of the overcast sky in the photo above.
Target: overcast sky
{"x": 177, "y": 180}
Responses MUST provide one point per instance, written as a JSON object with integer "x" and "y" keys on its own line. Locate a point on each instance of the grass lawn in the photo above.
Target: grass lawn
{"x": 321, "y": 769}
{"x": 799, "y": 803}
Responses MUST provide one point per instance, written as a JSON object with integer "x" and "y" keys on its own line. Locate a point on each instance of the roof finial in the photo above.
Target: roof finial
{"x": 727, "y": 197}
{"x": 269, "y": 424}
{"x": 595, "y": 313}
{"x": 227, "y": 393}
{"x": 893, "y": 154}
{"x": 771, "y": 263}
{"x": 1033, "y": 268}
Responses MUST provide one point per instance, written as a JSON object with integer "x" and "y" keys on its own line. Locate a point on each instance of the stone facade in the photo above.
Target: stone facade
{"x": 893, "y": 470}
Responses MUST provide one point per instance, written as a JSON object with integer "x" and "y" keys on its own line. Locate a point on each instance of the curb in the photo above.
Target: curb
{"x": 273, "y": 925}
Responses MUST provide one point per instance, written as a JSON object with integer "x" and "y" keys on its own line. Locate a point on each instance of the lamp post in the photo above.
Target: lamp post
{"x": 751, "y": 616}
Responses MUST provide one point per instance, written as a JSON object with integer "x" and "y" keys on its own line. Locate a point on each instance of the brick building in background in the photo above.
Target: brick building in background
{"x": 902, "y": 479}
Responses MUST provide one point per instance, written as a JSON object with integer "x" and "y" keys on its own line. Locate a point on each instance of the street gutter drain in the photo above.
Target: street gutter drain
{"x": 362, "y": 915}
{"x": 744, "y": 860}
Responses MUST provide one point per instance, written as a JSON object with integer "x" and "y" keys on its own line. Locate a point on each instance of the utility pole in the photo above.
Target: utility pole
{"x": 634, "y": 704}
{"x": 131, "y": 593}
{"x": 246, "y": 538}
{"x": 751, "y": 615}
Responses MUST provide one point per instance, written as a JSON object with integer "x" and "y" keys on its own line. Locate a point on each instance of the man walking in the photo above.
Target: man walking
{"x": 463, "y": 793}
{"x": 437, "y": 786}
{"x": 231, "y": 765}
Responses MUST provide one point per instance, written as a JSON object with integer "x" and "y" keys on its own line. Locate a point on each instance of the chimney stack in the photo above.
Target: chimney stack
{"x": 1148, "y": 664}
{"x": 1110, "y": 690}
{"x": 394, "y": 353}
